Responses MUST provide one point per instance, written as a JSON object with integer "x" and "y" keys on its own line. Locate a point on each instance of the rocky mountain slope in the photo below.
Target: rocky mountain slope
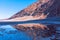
{"x": 42, "y": 9}
{"x": 36, "y": 9}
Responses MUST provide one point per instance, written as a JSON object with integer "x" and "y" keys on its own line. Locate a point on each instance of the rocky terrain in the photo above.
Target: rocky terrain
{"x": 36, "y": 9}
{"x": 48, "y": 7}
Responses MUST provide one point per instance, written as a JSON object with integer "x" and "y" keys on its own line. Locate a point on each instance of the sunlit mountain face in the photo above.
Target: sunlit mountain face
{"x": 38, "y": 8}
{"x": 41, "y": 9}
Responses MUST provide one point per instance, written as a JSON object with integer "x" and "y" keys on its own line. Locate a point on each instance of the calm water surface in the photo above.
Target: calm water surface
{"x": 7, "y": 32}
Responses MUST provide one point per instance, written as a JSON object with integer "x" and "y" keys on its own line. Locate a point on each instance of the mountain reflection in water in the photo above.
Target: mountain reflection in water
{"x": 33, "y": 32}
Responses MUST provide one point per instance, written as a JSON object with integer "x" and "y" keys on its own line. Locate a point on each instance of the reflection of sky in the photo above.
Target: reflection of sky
{"x": 10, "y": 7}
{"x": 12, "y": 34}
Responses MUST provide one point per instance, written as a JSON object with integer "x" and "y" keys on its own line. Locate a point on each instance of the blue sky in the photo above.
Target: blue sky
{"x": 10, "y": 7}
